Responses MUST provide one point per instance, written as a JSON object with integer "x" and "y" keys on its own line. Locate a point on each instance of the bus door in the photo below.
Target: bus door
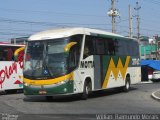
{"x": 96, "y": 49}
{"x": 102, "y": 53}
{"x": 97, "y": 72}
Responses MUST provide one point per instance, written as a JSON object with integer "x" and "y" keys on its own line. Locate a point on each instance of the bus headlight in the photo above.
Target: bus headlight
{"x": 25, "y": 84}
{"x": 57, "y": 84}
{"x": 62, "y": 82}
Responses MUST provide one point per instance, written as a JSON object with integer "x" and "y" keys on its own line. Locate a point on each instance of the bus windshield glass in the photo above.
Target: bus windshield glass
{"x": 45, "y": 59}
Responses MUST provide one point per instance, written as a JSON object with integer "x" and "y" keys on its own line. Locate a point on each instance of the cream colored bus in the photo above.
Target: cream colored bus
{"x": 79, "y": 60}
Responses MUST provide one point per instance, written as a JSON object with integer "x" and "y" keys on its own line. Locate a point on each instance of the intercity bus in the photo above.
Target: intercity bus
{"x": 79, "y": 60}
{"x": 11, "y": 75}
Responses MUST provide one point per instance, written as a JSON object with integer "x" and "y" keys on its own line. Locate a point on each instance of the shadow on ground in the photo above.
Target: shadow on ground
{"x": 76, "y": 97}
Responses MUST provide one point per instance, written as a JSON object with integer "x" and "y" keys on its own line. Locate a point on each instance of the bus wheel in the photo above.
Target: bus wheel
{"x": 86, "y": 89}
{"x": 127, "y": 85}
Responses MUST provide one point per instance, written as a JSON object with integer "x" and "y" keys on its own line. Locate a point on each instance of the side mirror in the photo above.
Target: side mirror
{"x": 68, "y": 46}
{"x": 18, "y": 54}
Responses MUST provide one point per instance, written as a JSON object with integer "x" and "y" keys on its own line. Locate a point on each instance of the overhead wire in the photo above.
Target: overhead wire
{"x": 61, "y": 24}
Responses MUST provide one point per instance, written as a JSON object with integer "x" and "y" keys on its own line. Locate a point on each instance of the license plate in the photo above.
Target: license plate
{"x": 42, "y": 92}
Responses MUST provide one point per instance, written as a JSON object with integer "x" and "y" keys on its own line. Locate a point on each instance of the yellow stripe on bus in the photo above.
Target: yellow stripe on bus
{"x": 48, "y": 81}
{"x": 115, "y": 70}
{"x": 18, "y": 50}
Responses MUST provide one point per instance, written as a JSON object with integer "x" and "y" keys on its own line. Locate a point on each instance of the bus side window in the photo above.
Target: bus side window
{"x": 86, "y": 51}
{"x": 9, "y": 54}
{"x": 2, "y": 58}
{"x": 111, "y": 46}
{"x": 89, "y": 47}
{"x": 106, "y": 47}
{"x": 74, "y": 55}
{"x": 128, "y": 48}
{"x": 116, "y": 45}
{"x": 100, "y": 46}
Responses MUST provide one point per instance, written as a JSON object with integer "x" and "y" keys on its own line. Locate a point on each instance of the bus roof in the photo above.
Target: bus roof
{"x": 66, "y": 32}
{"x": 9, "y": 44}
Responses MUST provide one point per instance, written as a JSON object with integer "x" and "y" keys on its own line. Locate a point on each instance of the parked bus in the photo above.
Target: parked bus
{"x": 79, "y": 60}
{"x": 11, "y": 75}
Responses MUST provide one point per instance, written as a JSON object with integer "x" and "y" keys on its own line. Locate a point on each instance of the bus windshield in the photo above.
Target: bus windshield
{"x": 45, "y": 59}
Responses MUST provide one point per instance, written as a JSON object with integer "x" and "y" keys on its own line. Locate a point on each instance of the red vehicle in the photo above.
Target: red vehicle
{"x": 11, "y": 75}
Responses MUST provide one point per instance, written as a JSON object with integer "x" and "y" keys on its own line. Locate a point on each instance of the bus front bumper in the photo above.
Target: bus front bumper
{"x": 64, "y": 87}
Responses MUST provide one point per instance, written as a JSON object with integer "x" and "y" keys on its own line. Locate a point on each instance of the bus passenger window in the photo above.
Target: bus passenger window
{"x": 106, "y": 50}
{"x": 116, "y": 45}
{"x": 86, "y": 52}
{"x": 2, "y": 58}
{"x": 100, "y": 46}
{"x": 75, "y": 51}
{"x": 89, "y": 47}
{"x": 73, "y": 57}
{"x": 111, "y": 47}
{"x": 9, "y": 54}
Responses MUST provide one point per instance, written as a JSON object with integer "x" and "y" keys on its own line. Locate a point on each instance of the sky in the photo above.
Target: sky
{"x": 21, "y": 18}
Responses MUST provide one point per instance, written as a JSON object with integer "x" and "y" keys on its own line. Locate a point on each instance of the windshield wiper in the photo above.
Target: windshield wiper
{"x": 34, "y": 68}
{"x": 46, "y": 66}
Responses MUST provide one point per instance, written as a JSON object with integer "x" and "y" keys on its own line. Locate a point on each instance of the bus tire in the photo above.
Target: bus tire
{"x": 127, "y": 84}
{"x": 86, "y": 89}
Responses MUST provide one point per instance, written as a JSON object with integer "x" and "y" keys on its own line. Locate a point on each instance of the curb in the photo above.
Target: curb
{"x": 146, "y": 82}
{"x": 154, "y": 96}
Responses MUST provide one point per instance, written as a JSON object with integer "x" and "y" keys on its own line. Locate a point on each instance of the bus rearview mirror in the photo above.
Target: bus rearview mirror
{"x": 17, "y": 52}
{"x": 68, "y": 46}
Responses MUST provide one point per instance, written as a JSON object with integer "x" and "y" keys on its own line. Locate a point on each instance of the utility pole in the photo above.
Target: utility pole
{"x": 113, "y": 13}
{"x": 130, "y": 23}
{"x": 138, "y": 20}
{"x": 113, "y": 17}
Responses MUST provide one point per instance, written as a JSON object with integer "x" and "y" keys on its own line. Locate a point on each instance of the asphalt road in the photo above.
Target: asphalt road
{"x": 137, "y": 101}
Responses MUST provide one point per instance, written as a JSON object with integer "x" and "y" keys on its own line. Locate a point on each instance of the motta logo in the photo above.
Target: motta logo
{"x": 87, "y": 64}
{"x": 116, "y": 70}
